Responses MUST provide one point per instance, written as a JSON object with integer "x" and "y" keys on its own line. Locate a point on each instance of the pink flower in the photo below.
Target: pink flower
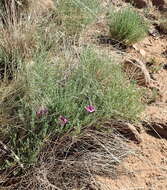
{"x": 42, "y": 111}
{"x": 90, "y": 108}
{"x": 63, "y": 120}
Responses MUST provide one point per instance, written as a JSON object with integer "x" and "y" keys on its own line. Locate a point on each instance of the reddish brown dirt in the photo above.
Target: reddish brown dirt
{"x": 146, "y": 170}
{"x": 151, "y": 49}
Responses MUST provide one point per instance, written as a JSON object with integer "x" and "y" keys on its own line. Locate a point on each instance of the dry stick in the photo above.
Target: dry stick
{"x": 134, "y": 131}
{"x": 102, "y": 145}
{"x": 92, "y": 177}
{"x": 141, "y": 65}
{"x": 16, "y": 158}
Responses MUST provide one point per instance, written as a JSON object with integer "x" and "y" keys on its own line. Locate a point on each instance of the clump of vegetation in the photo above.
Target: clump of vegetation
{"x": 75, "y": 15}
{"x": 127, "y": 26}
{"x": 60, "y": 96}
{"x": 12, "y": 11}
{"x": 48, "y": 90}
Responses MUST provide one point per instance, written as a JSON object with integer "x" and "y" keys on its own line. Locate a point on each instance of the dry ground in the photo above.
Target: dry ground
{"x": 146, "y": 170}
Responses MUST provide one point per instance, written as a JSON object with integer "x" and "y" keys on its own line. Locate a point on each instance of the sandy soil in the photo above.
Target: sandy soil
{"x": 146, "y": 170}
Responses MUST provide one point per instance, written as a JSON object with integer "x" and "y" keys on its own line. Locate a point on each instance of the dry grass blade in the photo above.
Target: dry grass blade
{"x": 74, "y": 162}
{"x": 137, "y": 70}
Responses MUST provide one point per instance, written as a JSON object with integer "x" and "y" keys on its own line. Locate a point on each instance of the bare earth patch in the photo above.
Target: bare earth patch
{"x": 146, "y": 170}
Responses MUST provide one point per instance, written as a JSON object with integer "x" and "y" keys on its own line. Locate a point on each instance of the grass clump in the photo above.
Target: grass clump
{"x": 45, "y": 95}
{"x": 91, "y": 81}
{"x": 76, "y": 14}
{"x": 60, "y": 96}
{"x": 127, "y": 26}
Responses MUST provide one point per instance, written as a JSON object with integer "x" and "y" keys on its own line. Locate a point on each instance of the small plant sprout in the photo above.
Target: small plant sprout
{"x": 90, "y": 108}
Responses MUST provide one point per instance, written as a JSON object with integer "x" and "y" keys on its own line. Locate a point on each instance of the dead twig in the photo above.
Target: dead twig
{"x": 139, "y": 64}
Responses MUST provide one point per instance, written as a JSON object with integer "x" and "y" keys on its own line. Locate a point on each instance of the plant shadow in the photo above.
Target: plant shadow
{"x": 156, "y": 130}
{"x": 107, "y": 40}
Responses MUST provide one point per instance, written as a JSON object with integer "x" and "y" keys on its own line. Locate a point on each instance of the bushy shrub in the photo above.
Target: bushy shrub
{"x": 127, "y": 26}
{"x": 59, "y": 96}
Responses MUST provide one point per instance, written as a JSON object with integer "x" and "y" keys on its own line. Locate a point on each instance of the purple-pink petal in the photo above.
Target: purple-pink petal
{"x": 42, "y": 111}
{"x": 90, "y": 108}
{"x": 63, "y": 120}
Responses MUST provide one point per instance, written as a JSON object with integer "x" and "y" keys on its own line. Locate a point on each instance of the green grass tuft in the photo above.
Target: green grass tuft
{"x": 127, "y": 26}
